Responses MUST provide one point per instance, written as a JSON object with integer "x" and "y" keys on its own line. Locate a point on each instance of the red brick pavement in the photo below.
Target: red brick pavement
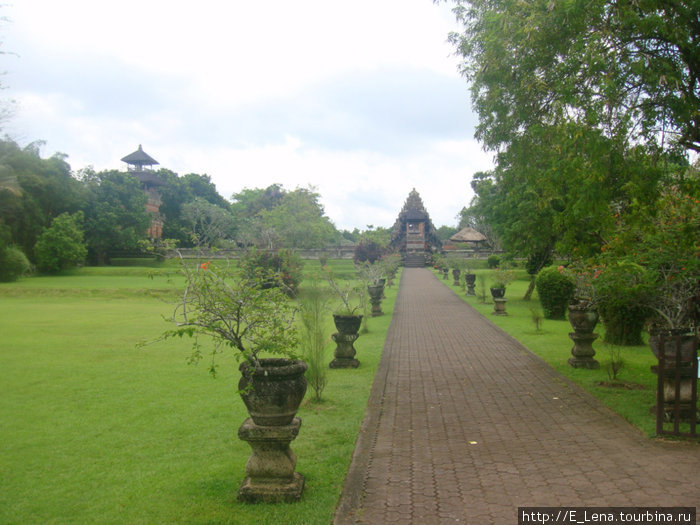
{"x": 464, "y": 425}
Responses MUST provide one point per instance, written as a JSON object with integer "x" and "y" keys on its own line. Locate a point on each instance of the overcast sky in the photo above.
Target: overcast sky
{"x": 361, "y": 99}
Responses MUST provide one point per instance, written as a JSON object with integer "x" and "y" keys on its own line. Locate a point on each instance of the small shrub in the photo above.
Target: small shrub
{"x": 623, "y": 291}
{"x": 555, "y": 290}
{"x": 368, "y": 251}
{"x": 481, "y": 287}
{"x": 13, "y": 264}
{"x": 284, "y": 264}
{"x": 493, "y": 261}
{"x": 61, "y": 245}
{"x": 615, "y": 365}
{"x": 313, "y": 304}
{"x": 537, "y": 318}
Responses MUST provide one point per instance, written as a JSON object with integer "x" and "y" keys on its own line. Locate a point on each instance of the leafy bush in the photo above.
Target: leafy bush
{"x": 13, "y": 264}
{"x": 493, "y": 261}
{"x": 61, "y": 245}
{"x": 623, "y": 292}
{"x": 555, "y": 290}
{"x": 368, "y": 251}
{"x": 283, "y": 265}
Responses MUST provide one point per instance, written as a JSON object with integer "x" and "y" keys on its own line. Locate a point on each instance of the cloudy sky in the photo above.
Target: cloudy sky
{"x": 361, "y": 99}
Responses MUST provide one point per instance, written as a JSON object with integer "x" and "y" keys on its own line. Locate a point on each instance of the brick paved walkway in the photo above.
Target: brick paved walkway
{"x": 464, "y": 425}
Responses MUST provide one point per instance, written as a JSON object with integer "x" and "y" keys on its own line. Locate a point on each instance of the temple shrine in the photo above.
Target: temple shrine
{"x": 140, "y": 165}
{"x": 413, "y": 233}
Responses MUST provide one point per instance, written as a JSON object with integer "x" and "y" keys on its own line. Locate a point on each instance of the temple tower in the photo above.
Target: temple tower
{"x": 413, "y": 233}
{"x": 140, "y": 165}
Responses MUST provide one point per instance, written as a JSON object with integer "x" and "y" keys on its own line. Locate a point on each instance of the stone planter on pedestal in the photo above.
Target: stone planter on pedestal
{"x": 376, "y": 293}
{"x": 272, "y": 392}
{"x": 470, "y": 279}
{"x": 445, "y": 273}
{"x": 348, "y": 327}
{"x": 455, "y": 276}
{"x": 583, "y": 321}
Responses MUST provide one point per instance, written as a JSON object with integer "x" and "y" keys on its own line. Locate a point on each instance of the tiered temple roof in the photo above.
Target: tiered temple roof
{"x": 413, "y": 210}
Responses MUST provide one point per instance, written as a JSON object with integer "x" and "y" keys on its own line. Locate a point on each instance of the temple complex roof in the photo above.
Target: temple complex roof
{"x": 468, "y": 234}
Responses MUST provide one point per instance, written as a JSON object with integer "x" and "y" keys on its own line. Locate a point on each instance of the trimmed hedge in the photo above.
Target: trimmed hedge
{"x": 555, "y": 291}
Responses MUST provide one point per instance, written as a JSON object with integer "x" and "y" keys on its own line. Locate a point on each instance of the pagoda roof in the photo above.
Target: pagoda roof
{"x": 140, "y": 158}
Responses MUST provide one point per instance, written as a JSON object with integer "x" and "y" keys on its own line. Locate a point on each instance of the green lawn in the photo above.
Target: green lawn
{"x": 632, "y": 395}
{"x": 97, "y": 430}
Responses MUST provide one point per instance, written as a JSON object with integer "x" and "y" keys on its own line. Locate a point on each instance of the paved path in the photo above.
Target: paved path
{"x": 464, "y": 425}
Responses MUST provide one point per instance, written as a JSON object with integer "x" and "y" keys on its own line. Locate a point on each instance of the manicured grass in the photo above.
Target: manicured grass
{"x": 632, "y": 395}
{"x": 97, "y": 430}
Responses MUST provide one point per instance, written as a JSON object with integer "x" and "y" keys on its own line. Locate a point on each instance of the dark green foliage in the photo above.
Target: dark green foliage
{"x": 61, "y": 246}
{"x": 623, "y": 291}
{"x": 368, "y": 251}
{"x": 555, "y": 290}
{"x": 538, "y": 260}
{"x": 115, "y": 213}
{"x": 278, "y": 267}
{"x": 41, "y": 189}
{"x": 493, "y": 261}
{"x": 13, "y": 264}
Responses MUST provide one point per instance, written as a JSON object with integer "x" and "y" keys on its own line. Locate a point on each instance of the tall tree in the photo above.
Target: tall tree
{"x": 39, "y": 190}
{"x": 575, "y": 98}
{"x": 115, "y": 214}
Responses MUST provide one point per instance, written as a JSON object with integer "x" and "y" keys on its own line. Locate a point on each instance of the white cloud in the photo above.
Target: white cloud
{"x": 360, "y": 99}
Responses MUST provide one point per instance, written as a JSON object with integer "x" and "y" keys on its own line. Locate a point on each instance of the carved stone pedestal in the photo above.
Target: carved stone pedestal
{"x": 270, "y": 469}
{"x": 345, "y": 351}
{"x": 499, "y": 306}
{"x": 582, "y": 353}
{"x": 376, "y": 294}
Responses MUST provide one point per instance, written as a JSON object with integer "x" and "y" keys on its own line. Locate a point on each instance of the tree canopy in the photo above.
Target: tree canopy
{"x": 590, "y": 108}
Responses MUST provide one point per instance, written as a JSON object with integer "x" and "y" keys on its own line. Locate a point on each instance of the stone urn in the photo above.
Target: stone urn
{"x": 272, "y": 393}
{"x": 445, "y": 273}
{"x": 583, "y": 320}
{"x": 347, "y": 324}
{"x": 376, "y": 293}
{"x": 498, "y": 293}
{"x": 348, "y": 327}
{"x": 455, "y": 276}
{"x": 470, "y": 279}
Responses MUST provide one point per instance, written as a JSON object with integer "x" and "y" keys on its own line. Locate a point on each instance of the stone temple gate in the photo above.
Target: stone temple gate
{"x": 413, "y": 234}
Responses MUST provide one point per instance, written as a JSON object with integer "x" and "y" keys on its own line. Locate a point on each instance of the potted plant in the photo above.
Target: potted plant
{"x": 391, "y": 263}
{"x": 252, "y": 319}
{"x": 583, "y": 312}
{"x": 501, "y": 277}
{"x": 469, "y": 279}
{"x": 457, "y": 264}
{"x": 372, "y": 275}
{"x": 583, "y": 315}
{"x": 347, "y": 321}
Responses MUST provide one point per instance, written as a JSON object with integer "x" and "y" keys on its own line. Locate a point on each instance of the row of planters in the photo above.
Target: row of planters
{"x": 251, "y": 309}
{"x": 630, "y": 298}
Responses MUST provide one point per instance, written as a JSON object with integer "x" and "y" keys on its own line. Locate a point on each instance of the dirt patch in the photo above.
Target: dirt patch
{"x": 623, "y": 385}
